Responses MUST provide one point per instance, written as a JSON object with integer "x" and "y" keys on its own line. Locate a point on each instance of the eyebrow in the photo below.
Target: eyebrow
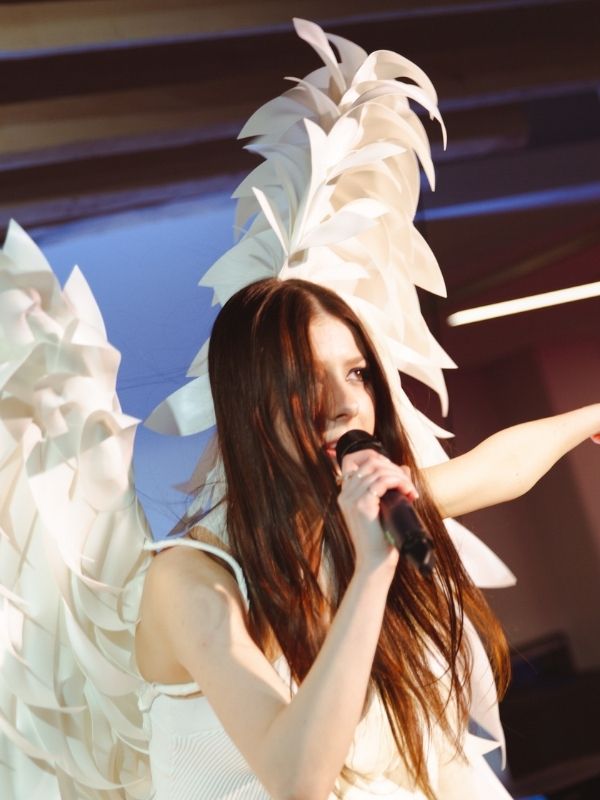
{"x": 350, "y": 361}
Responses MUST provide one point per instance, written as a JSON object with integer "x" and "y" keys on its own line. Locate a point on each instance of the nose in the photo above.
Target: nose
{"x": 344, "y": 405}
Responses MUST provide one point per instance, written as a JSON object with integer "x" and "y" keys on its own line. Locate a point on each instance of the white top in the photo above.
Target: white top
{"x": 193, "y": 758}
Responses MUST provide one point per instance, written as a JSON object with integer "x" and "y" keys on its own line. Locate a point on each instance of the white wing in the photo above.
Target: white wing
{"x": 71, "y": 539}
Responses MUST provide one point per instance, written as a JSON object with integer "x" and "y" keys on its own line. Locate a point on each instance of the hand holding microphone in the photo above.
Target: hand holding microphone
{"x": 396, "y": 515}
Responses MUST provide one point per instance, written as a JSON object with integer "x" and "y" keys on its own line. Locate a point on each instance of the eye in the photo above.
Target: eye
{"x": 360, "y": 374}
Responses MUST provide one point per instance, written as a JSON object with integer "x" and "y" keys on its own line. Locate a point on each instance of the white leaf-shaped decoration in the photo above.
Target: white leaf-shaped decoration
{"x": 276, "y": 116}
{"x": 185, "y": 411}
{"x": 314, "y": 36}
{"x": 273, "y": 218}
{"x": 352, "y": 56}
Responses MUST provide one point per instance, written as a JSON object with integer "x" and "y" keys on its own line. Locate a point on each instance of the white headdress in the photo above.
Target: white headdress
{"x": 333, "y": 202}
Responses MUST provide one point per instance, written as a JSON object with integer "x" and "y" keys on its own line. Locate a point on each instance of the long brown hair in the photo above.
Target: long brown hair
{"x": 261, "y": 368}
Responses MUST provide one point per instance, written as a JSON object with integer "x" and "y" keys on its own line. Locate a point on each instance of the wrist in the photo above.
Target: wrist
{"x": 376, "y": 572}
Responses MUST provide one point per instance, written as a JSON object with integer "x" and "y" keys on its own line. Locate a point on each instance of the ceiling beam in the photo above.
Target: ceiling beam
{"x": 67, "y": 26}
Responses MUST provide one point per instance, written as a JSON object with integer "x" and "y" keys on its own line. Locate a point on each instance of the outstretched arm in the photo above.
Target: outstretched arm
{"x": 509, "y": 463}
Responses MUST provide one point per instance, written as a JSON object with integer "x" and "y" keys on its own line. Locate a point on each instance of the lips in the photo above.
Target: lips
{"x": 329, "y": 448}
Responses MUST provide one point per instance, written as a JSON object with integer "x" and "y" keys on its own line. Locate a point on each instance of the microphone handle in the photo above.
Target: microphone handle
{"x": 402, "y": 528}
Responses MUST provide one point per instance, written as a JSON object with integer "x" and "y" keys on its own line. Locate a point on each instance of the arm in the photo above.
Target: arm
{"x": 295, "y": 745}
{"x": 509, "y": 463}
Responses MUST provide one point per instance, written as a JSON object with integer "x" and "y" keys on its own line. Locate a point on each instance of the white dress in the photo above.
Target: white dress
{"x": 193, "y": 758}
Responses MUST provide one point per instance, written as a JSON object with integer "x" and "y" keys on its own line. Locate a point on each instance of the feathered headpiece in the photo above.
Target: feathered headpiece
{"x": 333, "y": 202}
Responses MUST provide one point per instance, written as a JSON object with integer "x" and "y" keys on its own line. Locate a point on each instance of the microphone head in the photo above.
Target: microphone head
{"x": 355, "y": 440}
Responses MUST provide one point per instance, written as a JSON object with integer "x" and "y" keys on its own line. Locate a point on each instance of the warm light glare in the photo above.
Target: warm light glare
{"x": 524, "y": 304}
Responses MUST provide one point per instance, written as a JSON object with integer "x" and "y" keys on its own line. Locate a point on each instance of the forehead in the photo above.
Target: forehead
{"x": 332, "y": 340}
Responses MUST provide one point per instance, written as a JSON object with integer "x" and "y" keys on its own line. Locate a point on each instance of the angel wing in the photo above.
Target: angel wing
{"x": 71, "y": 545}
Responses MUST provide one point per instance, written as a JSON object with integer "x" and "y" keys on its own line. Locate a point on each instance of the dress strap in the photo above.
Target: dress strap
{"x": 207, "y": 548}
{"x": 148, "y": 692}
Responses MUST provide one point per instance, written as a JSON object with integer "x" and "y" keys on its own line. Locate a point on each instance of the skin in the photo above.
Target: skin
{"x": 366, "y": 475}
{"x": 507, "y": 464}
{"x": 193, "y": 624}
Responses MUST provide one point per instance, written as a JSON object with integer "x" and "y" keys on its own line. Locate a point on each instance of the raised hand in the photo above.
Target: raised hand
{"x": 366, "y": 477}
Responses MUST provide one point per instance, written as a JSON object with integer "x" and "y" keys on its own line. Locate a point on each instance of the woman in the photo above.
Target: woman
{"x": 330, "y": 664}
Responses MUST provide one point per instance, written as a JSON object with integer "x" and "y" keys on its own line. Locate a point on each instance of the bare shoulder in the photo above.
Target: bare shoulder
{"x": 188, "y": 599}
{"x": 185, "y": 575}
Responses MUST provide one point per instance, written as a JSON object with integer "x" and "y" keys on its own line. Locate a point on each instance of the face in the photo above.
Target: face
{"x": 345, "y": 375}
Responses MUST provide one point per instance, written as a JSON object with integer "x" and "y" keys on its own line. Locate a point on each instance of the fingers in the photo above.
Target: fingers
{"x": 375, "y": 475}
{"x": 363, "y": 460}
{"x": 379, "y": 483}
{"x": 366, "y": 477}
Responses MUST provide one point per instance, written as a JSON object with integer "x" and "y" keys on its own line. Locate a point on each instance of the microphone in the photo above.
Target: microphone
{"x": 400, "y": 524}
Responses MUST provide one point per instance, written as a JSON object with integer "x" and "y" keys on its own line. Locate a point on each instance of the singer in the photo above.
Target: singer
{"x": 281, "y": 646}
{"x": 300, "y": 656}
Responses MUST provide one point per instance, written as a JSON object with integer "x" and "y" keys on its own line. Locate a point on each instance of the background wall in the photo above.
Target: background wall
{"x": 550, "y": 537}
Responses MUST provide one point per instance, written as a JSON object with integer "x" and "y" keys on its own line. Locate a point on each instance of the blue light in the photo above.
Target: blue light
{"x": 566, "y": 195}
